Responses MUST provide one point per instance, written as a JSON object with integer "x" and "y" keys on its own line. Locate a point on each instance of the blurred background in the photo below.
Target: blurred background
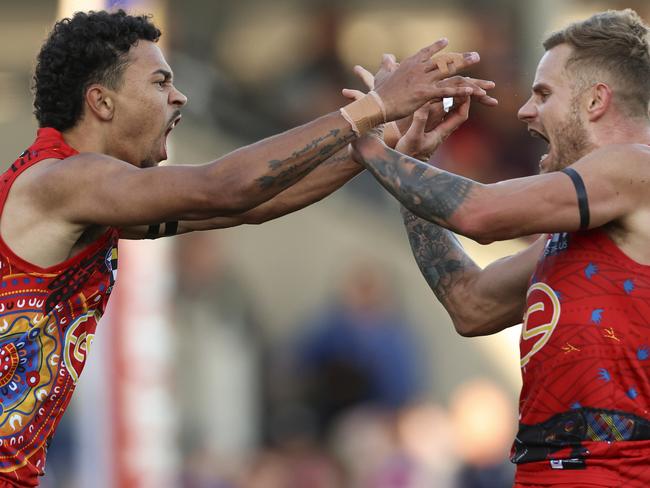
{"x": 307, "y": 352}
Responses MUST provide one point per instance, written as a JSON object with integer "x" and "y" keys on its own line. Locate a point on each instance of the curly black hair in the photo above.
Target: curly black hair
{"x": 85, "y": 49}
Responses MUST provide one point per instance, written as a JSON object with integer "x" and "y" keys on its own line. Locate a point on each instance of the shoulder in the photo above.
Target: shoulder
{"x": 617, "y": 157}
{"x": 51, "y": 182}
{"x": 78, "y": 172}
{"x": 84, "y": 162}
{"x": 616, "y": 165}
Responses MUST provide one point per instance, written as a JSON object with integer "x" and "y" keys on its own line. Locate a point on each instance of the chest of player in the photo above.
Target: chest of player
{"x": 586, "y": 297}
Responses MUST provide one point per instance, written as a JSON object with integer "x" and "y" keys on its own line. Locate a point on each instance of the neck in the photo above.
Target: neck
{"x": 622, "y": 130}
{"x": 85, "y": 139}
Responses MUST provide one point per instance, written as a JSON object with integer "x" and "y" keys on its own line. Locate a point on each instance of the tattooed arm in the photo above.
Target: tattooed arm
{"x": 545, "y": 203}
{"x": 100, "y": 190}
{"x": 430, "y": 193}
{"x": 479, "y": 301}
{"x": 327, "y": 178}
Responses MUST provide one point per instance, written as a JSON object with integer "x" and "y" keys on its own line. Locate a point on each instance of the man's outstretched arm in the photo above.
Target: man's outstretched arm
{"x": 544, "y": 203}
{"x": 327, "y": 178}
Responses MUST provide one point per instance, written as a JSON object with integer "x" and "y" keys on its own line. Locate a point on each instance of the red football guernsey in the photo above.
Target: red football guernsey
{"x": 48, "y": 318}
{"x": 585, "y": 359}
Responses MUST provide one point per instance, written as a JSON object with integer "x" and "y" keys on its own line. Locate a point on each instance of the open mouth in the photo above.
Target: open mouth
{"x": 538, "y": 134}
{"x": 173, "y": 124}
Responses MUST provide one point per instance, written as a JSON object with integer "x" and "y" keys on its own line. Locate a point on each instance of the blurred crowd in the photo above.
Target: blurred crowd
{"x": 342, "y": 403}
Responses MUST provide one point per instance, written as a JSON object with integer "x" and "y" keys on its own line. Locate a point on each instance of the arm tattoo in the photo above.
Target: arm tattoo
{"x": 439, "y": 254}
{"x": 429, "y": 192}
{"x": 291, "y": 169}
{"x": 339, "y": 157}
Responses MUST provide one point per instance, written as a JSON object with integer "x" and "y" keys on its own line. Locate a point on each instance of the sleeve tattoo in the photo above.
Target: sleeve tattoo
{"x": 438, "y": 253}
{"x": 427, "y": 191}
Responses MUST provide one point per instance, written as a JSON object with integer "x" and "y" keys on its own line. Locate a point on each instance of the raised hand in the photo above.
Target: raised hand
{"x": 431, "y": 125}
{"x": 418, "y": 80}
{"x": 420, "y": 142}
{"x": 388, "y": 65}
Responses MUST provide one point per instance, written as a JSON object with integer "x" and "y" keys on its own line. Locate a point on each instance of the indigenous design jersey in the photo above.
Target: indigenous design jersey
{"x": 48, "y": 318}
{"x": 585, "y": 359}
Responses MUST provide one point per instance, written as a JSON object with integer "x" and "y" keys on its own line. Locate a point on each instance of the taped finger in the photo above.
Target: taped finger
{"x": 443, "y": 60}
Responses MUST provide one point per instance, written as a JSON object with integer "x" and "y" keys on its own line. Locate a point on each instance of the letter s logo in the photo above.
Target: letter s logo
{"x": 541, "y": 318}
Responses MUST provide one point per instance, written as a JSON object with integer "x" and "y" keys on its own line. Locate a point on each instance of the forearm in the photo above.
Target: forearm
{"x": 430, "y": 193}
{"x": 445, "y": 266}
{"x": 324, "y": 180}
{"x": 333, "y": 173}
{"x": 258, "y": 172}
{"x": 479, "y": 301}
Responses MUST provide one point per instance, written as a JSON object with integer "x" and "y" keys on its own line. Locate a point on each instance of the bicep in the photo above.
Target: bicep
{"x": 108, "y": 192}
{"x": 549, "y": 203}
{"x": 499, "y": 291}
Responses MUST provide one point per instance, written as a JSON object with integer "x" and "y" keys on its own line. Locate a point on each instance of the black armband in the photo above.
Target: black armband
{"x": 171, "y": 228}
{"x": 153, "y": 231}
{"x": 581, "y": 191}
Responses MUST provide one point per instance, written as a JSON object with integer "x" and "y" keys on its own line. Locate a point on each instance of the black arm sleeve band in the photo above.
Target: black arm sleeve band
{"x": 171, "y": 228}
{"x": 583, "y": 203}
{"x": 153, "y": 231}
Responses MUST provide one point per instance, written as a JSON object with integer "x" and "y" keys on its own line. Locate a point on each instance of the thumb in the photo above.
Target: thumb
{"x": 352, "y": 94}
{"x": 419, "y": 122}
{"x": 366, "y": 76}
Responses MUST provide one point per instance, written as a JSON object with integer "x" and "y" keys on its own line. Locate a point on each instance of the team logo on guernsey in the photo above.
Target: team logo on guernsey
{"x": 557, "y": 243}
{"x": 540, "y": 320}
{"x": 77, "y": 346}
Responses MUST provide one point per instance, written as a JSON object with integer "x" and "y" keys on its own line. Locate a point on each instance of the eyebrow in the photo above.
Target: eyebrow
{"x": 540, "y": 87}
{"x": 167, "y": 74}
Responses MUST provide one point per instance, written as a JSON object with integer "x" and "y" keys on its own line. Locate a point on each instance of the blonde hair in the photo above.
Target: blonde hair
{"x": 611, "y": 47}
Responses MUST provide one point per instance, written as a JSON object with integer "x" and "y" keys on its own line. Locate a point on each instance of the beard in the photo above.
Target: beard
{"x": 148, "y": 162}
{"x": 571, "y": 141}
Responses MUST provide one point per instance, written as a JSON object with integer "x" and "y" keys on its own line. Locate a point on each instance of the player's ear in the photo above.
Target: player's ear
{"x": 99, "y": 101}
{"x": 599, "y": 99}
